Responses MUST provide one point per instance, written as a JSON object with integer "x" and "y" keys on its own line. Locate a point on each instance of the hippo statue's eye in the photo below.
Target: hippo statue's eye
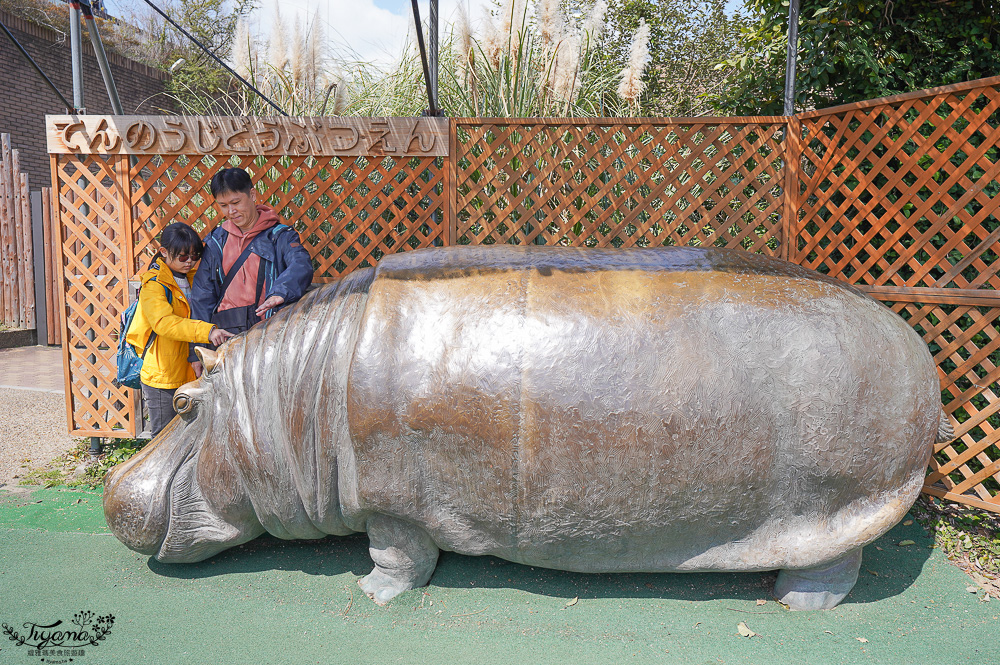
{"x": 184, "y": 403}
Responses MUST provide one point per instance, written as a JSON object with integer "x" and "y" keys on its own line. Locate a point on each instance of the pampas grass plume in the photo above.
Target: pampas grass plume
{"x": 463, "y": 43}
{"x": 278, "y": 52}
{"x": 241, "y": 49}
{"x": 566, "y": 72}
{"x": 297, "y": 62}
{"x": 594, "y": 25}
{"x": 631, "y": 86}
{"x": 550, "y": 23}
{"x": 316, "y": 51}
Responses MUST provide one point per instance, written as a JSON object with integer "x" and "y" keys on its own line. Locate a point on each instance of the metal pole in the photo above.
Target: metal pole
{"x": 102, "y": 58}
{"x": 38, "y": 245}
{"x": 793, "y": 52}
{"x": 433, "y": 110}
{"x": 76, "y": 57}
{"x": 432, "y": 33}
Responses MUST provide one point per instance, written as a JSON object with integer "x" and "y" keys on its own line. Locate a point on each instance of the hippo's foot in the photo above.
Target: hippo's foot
{"x": 404, "y": 557}
{"x": 820, "y": 588}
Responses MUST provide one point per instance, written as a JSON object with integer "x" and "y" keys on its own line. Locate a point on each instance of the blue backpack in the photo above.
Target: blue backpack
{"x": 129, "y": 363}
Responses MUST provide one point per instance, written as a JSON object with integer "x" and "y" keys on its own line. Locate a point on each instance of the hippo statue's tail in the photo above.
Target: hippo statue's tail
{"x": 946, "y": 431}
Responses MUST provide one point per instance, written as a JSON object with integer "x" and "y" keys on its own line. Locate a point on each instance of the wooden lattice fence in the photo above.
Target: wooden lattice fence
{"x": 898, "y": 196}
{"x": 626, "y": 183}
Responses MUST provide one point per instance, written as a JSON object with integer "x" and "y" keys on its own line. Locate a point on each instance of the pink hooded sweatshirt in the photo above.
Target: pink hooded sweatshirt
{"x": 243, "y": 288}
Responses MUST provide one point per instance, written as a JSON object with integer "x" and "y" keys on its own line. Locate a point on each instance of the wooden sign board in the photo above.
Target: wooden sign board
{"x": 220, "y": 135}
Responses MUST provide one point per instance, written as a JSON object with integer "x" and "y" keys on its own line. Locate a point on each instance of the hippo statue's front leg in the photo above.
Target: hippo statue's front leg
{"x": 404, "y": 556}
{"x": 819, "y": 588}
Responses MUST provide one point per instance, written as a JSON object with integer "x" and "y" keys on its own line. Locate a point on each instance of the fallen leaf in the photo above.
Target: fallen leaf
{"x": 78, "y": 501}
{"x": 907, "y": 522}
{"x": 873, "y": 572}
{"x": 904, "y": 543}
{"x": 744, "y": 631}
{"x": 573, "y": 602}
{"x": 972, "y": 589}
{"x": 828, "y": 632}
{"x": 761, "y": 601}
{"x": 861, "y": 639}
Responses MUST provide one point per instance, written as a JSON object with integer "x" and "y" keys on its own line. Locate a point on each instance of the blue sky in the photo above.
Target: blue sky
{"x": 370, "y": 30}
{"x": 394, "y": 6}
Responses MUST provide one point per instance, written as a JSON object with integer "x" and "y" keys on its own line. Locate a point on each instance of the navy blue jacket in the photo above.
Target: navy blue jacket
{"x": 287, "y": 267}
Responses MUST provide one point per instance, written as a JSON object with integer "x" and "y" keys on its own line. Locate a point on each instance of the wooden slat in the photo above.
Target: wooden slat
{"x": 61, "y": 223}
{"x": 790, "y": 206}
{"x": 450, "y": 186}
{"x": 8, "y": 284}
{"x": 906, "y": 96}
{"x": 51, "y": 288}
{"x": 15, "y": 212}
{"x": 980, "y": 297}
{"x": 991, "y": 505}
{"x": 27, "y": 256}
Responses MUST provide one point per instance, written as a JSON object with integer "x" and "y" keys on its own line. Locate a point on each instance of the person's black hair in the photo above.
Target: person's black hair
{"x": 231, "y": 180}
{"x": 179, "y": 238}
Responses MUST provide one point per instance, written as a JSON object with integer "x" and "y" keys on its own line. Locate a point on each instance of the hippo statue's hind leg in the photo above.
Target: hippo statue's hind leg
{"x": 820, "y": 588}
{"x": 404, "y": 556}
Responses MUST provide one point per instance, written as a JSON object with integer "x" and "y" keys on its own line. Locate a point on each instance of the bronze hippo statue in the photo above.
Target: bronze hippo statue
{"x": 672, "y": 409}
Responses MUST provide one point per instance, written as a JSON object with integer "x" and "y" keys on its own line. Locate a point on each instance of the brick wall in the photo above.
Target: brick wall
{"x": 25, "y": 99}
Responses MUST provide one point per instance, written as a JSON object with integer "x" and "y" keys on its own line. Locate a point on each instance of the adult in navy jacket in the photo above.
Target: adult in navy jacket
{"x": 252, "y": 263}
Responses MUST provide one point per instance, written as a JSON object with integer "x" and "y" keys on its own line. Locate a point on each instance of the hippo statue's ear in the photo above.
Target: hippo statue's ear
{"x": 208, "y": 357}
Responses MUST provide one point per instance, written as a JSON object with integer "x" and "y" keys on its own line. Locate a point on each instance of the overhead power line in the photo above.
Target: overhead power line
{"x": 34, "y": 64}
{"x": 215, "y": 57}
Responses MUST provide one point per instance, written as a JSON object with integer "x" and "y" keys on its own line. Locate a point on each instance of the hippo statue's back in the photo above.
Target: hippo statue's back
{"x": 606, "y": 410}
{"x": 671, "y": 409}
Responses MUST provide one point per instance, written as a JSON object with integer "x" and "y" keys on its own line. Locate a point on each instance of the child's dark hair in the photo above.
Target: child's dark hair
{"x": 179, "y": 238}
{"x": 231, "y": 180}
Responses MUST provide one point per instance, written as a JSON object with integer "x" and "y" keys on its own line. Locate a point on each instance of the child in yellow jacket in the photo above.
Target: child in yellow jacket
{"x": 165, "y": 366}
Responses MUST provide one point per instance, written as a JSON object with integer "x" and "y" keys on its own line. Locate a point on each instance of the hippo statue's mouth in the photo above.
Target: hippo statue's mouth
{"x": 137, "y": 493}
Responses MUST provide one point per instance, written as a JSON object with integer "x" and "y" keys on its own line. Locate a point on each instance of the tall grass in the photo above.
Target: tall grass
{"x": 524, "y": 63}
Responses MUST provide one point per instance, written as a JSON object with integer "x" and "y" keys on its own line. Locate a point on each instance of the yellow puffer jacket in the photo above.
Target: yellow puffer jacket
{"x": 166, "y": 363}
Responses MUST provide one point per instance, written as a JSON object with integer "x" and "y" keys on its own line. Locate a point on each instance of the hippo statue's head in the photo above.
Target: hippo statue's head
{"x": 254, "y": 447}
{"x": 181, "y": 498}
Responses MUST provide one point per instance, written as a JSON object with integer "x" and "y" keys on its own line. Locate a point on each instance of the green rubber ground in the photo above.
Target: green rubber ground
{"x": 272, "y": 602}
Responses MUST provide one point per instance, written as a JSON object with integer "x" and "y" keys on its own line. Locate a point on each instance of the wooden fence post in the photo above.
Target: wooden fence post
{"x": 790, "y": 205}
{"x": 39, "y": 267}
{"x": 26, "y": 257}
{"x": 7, "y": 286}
{"x": 52, "y": 272}
{"x": 451, "y": 182}
{"x": 14, "y": 276}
